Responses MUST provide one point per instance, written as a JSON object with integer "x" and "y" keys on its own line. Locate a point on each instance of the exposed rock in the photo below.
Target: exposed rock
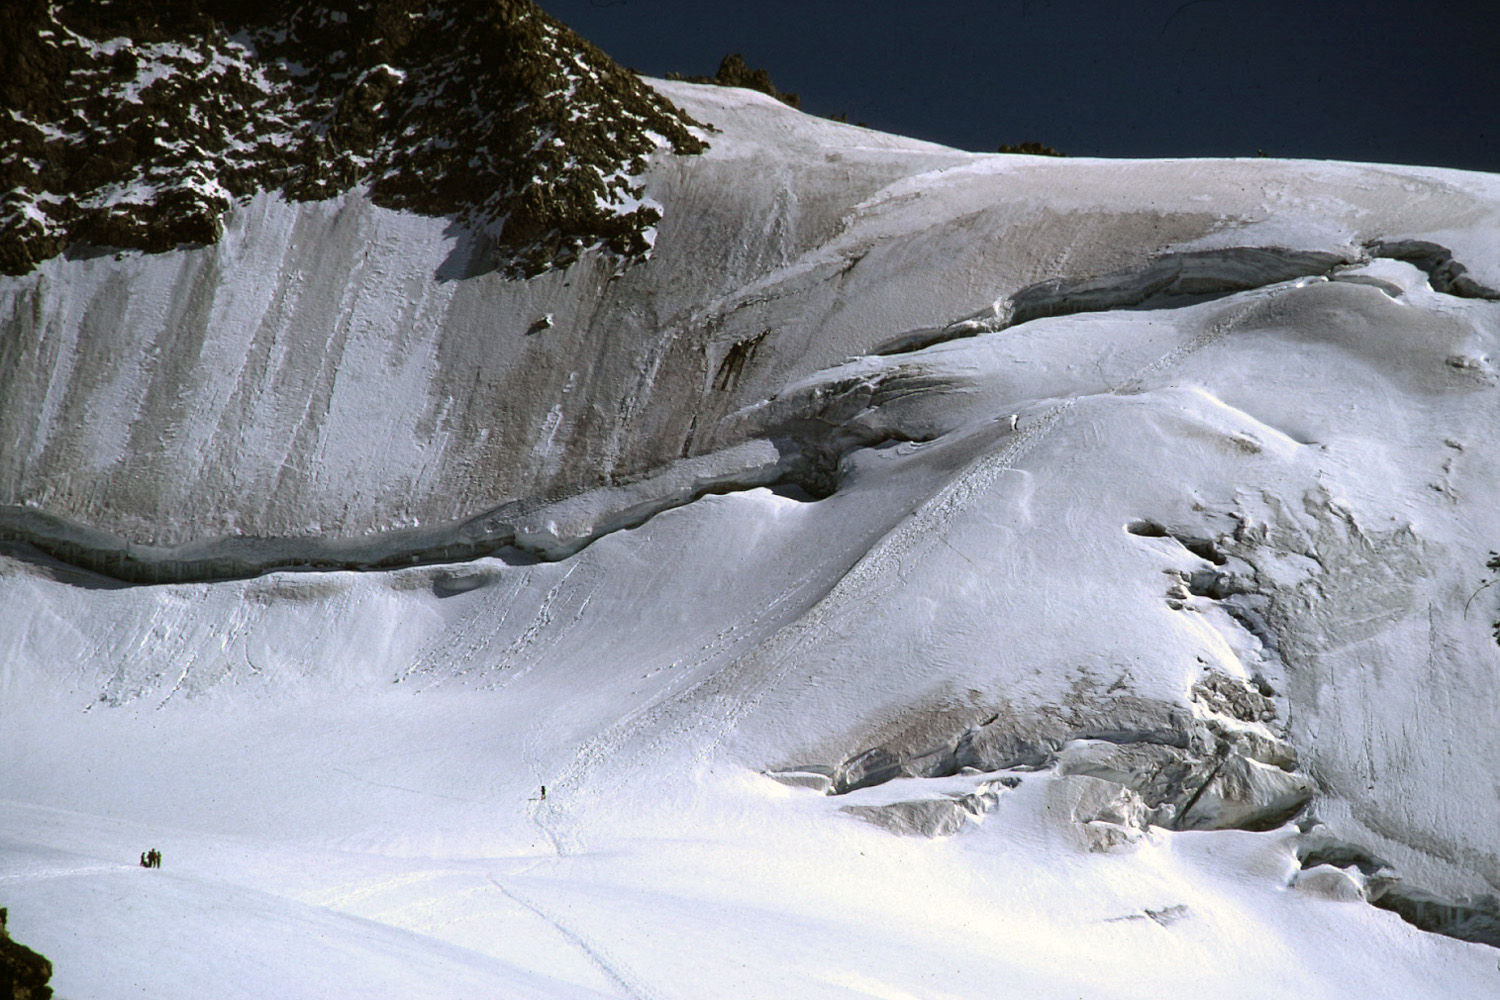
{"x": 1234, "y": 698}
{"x": 138, "y": 124}
{"x": 23, "y": 973}
{"x": 1028, "y": 148}
{"x": 735, "y": 72}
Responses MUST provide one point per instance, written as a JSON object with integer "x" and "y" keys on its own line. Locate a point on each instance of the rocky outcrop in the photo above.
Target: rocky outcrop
{"x": 735, "y": 72}
{"x": 138, "y": 124}
{"x": 23, "y": 973}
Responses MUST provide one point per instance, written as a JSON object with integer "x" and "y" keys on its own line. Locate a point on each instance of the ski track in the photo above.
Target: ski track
{"x": 44, "y": 874}
{"x": 402, "y": 788}
{"x": 346, "y": 902}
{"x": 549, "y": 817}
{"x": 527, "y": 643}
{"x": 461, "y": 645}
{"x": 626, "y": 982}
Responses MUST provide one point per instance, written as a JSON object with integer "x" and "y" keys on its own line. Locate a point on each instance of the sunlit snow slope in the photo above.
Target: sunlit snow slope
{"x": 930, "y": 574}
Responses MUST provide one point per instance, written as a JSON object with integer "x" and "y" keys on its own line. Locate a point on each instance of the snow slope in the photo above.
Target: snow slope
{"x": 1111, "y": 538}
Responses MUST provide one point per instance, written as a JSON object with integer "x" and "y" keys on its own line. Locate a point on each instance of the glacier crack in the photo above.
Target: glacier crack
{"x": 521, "y": 532}
{"x": 1326, "y": 861}
{"x": 1178, "y": 280}
{"x": 802, "y": 458}
{"x": 1169, "y": 281}
{"x": 1444, "y": 274}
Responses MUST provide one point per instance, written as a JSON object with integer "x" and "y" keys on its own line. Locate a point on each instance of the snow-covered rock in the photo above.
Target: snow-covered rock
{"x": 137, "y": 127}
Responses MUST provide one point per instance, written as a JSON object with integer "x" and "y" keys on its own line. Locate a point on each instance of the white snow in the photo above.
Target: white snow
{"x": 343, "y": 771}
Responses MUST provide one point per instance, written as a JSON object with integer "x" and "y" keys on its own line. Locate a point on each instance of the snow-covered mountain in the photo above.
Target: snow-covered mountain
{"x": 922, "y": 574}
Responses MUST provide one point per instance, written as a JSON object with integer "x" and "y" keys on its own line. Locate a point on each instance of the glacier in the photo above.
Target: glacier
{"x": 929, "y": 574}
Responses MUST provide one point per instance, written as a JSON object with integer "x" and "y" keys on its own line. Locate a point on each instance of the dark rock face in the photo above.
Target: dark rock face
{"x": 735, "y": 72}
{"x": 23, "y": 973}
{"x": 137, "y": 124}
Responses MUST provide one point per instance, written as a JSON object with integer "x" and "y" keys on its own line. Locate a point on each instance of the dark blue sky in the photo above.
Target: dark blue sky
{"x": 1399, "y": 81}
